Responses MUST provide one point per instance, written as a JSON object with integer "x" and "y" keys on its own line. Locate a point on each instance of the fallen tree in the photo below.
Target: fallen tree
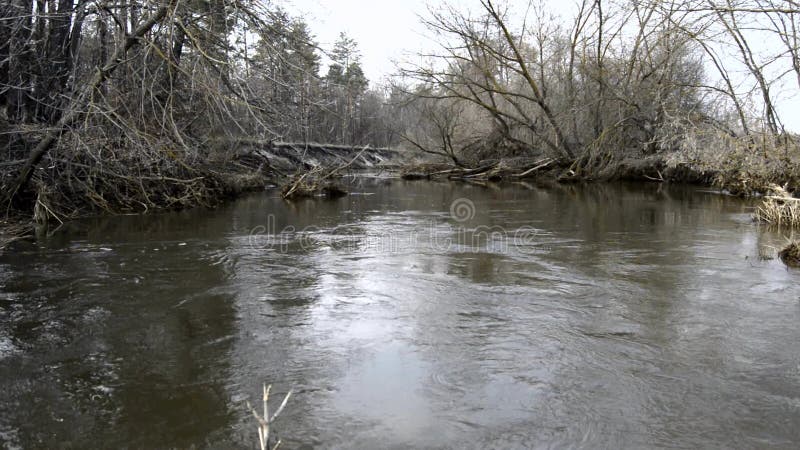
{"x": 318, "y": 181}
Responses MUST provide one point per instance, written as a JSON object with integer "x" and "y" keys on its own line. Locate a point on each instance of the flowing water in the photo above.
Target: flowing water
{"x": 408, "y": 315}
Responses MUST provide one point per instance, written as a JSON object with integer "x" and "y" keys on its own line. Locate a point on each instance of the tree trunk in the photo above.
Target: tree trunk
{"x": 15, "y": 58}
{"x": 77, "y": 105}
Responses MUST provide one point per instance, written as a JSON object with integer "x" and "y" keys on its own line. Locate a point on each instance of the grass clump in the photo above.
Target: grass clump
{"x": 779, "y": 208}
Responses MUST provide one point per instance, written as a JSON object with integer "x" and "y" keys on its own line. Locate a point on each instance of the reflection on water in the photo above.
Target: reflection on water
{"x": 597, "y": 316}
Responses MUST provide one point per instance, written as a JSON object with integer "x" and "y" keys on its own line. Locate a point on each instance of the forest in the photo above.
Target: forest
{"x": 551, "y": 224}
{"x": 143, "y": 105}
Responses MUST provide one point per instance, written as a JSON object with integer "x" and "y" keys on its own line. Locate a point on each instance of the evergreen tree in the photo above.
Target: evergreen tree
{"x": 345, "y": 84}
{"x": 287, "y": 66}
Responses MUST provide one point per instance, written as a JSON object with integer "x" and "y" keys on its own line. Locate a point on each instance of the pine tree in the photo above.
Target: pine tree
{"x": 287, "y": 66}
{"x": 346, "y": 85}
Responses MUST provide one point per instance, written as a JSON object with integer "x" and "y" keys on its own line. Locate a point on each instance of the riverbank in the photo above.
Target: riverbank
{"x": 735, "y": 182}
{"x": 61, "y": 191}
{"x": 735, "y": 166}
{"x": 125, "y": 182}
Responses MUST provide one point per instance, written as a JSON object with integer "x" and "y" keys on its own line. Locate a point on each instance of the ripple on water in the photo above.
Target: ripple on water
{"x": 606, "y": 326}
{"x": 7, "y": 347}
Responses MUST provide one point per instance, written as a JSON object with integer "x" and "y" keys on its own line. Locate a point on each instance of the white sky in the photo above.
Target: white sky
{"x": 390, "y": 30}
{"x": 385, "y": 30}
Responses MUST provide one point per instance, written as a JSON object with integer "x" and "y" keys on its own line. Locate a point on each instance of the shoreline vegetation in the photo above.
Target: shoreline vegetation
{"x": 159, "y": 104}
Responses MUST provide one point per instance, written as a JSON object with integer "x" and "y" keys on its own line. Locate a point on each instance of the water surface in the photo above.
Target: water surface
{"x": 412, "y": 314}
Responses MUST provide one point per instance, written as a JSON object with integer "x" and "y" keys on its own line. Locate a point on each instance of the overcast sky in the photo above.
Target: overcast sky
{"x": 385, "y": 30}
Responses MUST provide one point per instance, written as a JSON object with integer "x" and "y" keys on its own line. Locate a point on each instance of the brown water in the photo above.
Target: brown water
{"x": 603, "y": 316}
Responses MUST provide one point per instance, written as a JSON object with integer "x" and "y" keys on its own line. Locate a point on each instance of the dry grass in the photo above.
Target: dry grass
{"x": 779, "y": 208}
{"x": 741, "y": 165}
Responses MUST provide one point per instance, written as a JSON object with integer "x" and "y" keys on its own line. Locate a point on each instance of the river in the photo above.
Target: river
{"x": 408, "y": 315}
